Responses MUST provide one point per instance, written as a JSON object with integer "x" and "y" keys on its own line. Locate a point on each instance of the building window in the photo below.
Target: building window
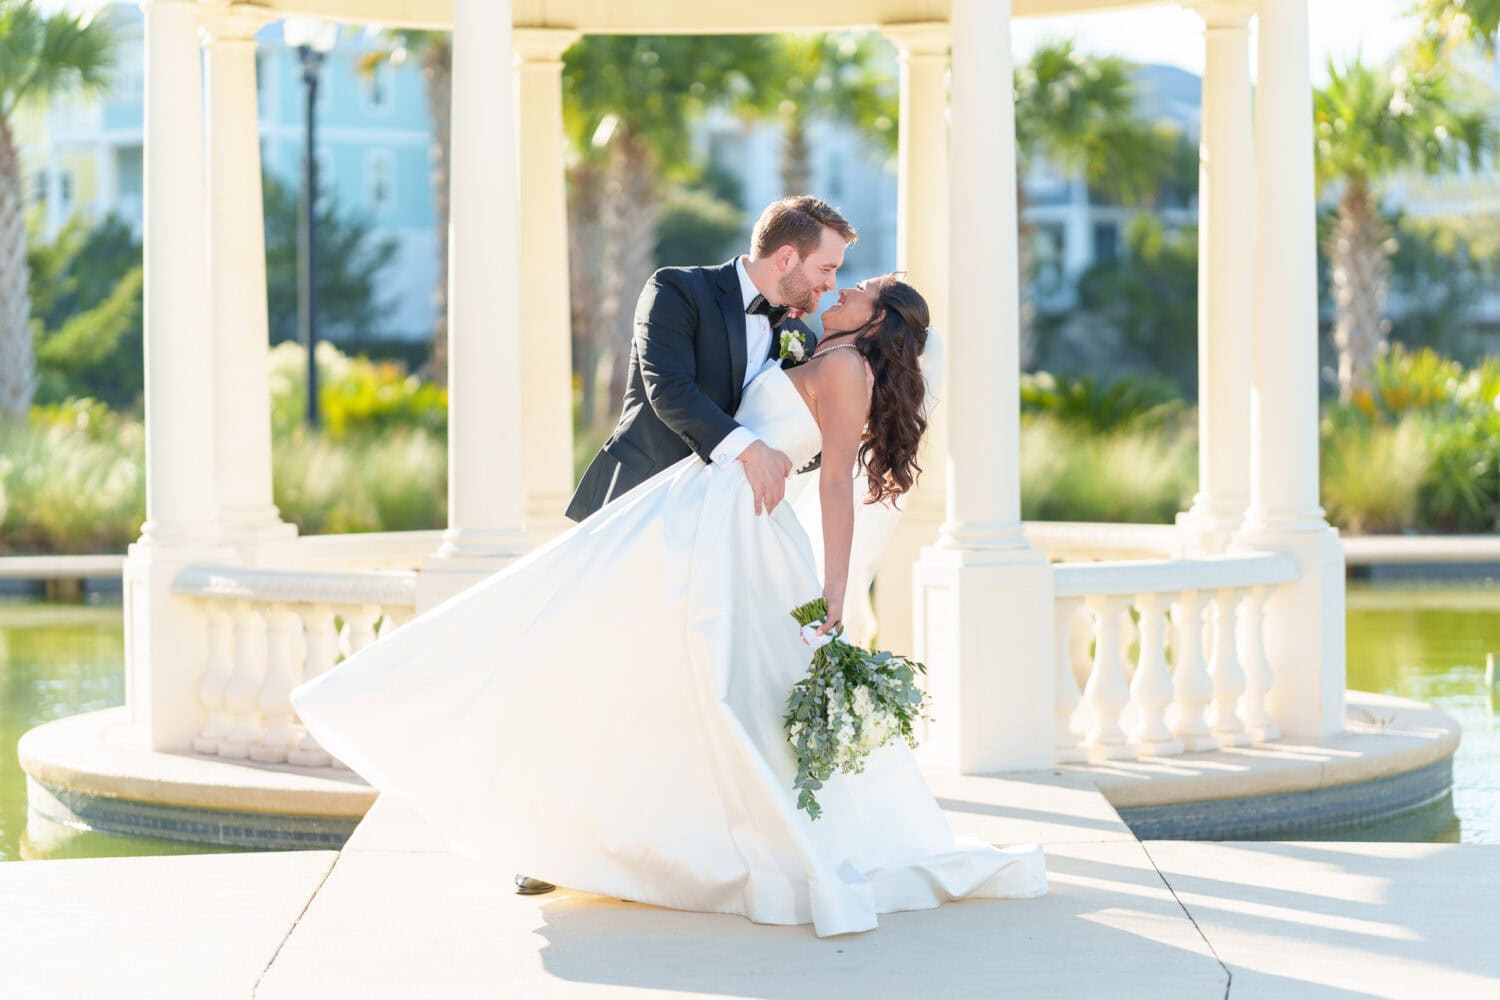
{"x": 376, "y": 87}
{"x": 380, "y": 181}
{"x": 39, "y": 188}
{"x": 1106, "y": 242}
{"x": 65, "y": 190}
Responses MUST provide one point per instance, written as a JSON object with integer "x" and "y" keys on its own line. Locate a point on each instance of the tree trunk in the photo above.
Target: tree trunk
{"x": 17, "y": 357}
{"x": 796, "y": 158}
{"x": 592, "y": 306}
{"x": 1360, "y": 268}
{"x": 437, "y": 67}
{"x": 633, "y": 208}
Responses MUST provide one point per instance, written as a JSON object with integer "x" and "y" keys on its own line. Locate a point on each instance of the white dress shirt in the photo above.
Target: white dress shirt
{"x": 757, "y": 349}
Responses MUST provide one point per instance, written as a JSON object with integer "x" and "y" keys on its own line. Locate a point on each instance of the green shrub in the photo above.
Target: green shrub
{"x": 1099, "y": 407}
{"x": 392, "y": 482}
{"x": 1373, "y": 475}
{"x": 357, "y": 396}
{"x": 1069, "y": 473}
{"x": 73, "y": 478}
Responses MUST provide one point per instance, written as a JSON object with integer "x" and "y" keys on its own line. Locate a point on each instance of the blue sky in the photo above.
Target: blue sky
{"x": 1172, "y": 35}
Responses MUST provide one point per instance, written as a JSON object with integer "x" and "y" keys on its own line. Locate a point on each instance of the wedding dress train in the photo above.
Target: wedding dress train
{"x": 606, "y": 713}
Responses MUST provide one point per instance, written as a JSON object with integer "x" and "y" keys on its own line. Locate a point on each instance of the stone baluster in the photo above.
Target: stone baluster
{"x": 392, "y": 619}
{"x": 1228, "y": 677}
{"x": 1257, "y": 666}
{"x": 321, "y": 639}
{"x": 1080, "y": 645}
{"x": 283, "y": 672}
{"x": 216, "y": 674}
{"x": 242, "y": 693}
{"x": 1130, "y": 636}
{"x": 1107, "y": 692}
{"x": 359, "y": 629}
{"x": 1151, "y": 688}
{"x": 1068, "y": 617}
{"x": 1192, "y": 688}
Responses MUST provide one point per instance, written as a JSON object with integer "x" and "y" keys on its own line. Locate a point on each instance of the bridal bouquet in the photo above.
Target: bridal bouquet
{"x": 852, "y": 701}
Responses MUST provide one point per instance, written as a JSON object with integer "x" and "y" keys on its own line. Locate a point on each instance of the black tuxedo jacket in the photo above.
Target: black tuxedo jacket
{"x": 686, "y": 376}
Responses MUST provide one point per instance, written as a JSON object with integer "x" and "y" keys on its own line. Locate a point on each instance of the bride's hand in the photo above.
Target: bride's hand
{"x": 835, "y": 615}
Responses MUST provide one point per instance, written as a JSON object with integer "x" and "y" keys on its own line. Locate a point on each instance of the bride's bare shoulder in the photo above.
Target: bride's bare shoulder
{"x": 837, "y": 371}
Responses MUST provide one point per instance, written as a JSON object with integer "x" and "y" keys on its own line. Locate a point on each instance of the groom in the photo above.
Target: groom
{"x": 701, "y": 334}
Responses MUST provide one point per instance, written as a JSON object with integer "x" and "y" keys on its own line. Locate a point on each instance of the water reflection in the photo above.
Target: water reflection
{"x": 1432, "y": 644}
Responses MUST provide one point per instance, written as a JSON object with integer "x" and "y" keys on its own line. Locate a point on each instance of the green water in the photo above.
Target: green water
{"x": 1423, "y": 643}
{"x": 58, "y": 660}
{"x": 1430, "y": 643}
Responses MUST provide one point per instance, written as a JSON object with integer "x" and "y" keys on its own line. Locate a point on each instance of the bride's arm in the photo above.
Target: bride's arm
{"x": 841, "y": 390}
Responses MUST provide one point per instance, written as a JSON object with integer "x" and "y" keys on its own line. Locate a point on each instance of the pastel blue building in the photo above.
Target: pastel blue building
{"x": 374, "y": 142}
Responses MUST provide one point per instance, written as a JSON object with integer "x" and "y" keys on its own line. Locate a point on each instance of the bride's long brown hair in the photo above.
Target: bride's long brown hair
{"x": 892, "y": 342}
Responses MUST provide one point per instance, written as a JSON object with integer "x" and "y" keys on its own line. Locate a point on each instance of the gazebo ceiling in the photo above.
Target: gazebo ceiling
{"x": 642, "y": 17}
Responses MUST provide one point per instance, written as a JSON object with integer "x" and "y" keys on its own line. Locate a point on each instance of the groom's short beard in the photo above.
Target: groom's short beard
{"x": 796, "y": 291}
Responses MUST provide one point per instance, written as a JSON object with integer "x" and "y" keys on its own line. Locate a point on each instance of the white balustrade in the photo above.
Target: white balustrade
{"x": 321, "y": 639}
{"x": 216, "y": 674}
{"x": 1151, "y": 687}
{"x": 269, "y": 630}
{"x": 1067, "y": 697}
{"x": 1108, "y": 691}
{"x": 1178, "y": 658}
{"x": 242, "y": 694}
{"x": 1228, "y": 677}
{"x": 1257, "y": 667}
{"x": 1192, "y": 687}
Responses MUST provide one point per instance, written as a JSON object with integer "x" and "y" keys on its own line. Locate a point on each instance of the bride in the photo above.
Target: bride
{"x": 658, "y": 630}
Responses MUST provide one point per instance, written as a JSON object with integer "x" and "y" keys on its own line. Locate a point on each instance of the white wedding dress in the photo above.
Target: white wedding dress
{"x": 606, "y": 714}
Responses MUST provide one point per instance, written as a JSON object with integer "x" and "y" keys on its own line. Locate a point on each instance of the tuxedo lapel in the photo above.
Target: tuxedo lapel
{"x": 732, "y": 305}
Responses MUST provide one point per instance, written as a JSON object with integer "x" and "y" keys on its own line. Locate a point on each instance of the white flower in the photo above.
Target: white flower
{"x": 793, "y": 345}
{"x": 875, "y": 732}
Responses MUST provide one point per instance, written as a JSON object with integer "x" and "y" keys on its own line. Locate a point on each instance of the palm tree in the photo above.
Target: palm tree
{"x": 1446, "y": 23}
{"x": 829, "y": 76}
{"x": 41, "y": 56}
{"x": 434, "y": 50}
{"x": 1369, "y": 125}
{"x": 1078, "y": 112}
{"x": 628, "y": 107}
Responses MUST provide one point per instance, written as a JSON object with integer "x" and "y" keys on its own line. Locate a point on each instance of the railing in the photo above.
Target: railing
{"x": 268, "y": 631}
{"x": 1087, "y": 540}
{"x": 1162, "y": 657}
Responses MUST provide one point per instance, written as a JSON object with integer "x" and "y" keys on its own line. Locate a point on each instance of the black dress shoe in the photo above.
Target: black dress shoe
{"x": 528, "y": 886}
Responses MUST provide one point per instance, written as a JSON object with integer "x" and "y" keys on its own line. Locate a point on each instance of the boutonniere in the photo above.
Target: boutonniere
{"x": 793, "y": 345}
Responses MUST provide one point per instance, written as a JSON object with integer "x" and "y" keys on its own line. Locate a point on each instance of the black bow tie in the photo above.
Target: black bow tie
{"x": 759, "y": 306}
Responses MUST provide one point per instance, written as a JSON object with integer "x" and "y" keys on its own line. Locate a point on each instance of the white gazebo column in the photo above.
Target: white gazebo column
{"x": 167, "y": 641}
{"x": 237, "y": 283}
{"x": 546, "y": 348}
{"x": 922, "y": 252}
{"x": 1304, "y": 622}
{"x": 1226, "y": 187}
{"x": 983, "y": 596}
{"x": 485, "y": 498}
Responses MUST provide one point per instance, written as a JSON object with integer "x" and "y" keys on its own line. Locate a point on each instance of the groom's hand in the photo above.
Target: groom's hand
{"x": 766, "y": 469}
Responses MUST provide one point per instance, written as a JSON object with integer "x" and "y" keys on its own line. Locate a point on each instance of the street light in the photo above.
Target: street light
{"x": 312, "y": 39}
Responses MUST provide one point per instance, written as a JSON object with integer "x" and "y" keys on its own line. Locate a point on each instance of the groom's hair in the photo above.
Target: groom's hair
{"x": 798, "y": 221}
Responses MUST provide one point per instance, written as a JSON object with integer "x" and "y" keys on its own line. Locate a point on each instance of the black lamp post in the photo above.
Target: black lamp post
{"x": 312, "y": 40}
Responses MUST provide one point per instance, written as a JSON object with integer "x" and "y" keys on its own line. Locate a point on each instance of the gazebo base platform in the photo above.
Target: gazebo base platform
{"x": 92, "y": 772}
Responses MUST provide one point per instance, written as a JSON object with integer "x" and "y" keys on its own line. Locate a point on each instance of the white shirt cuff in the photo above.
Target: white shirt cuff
{"x": 734, "y": 442}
